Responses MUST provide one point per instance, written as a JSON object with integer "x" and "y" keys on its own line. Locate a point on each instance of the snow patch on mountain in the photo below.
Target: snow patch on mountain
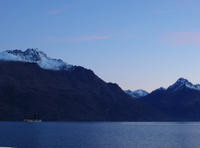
{"x": 183, "y": 83}
{"x": 34, "y": 56}
{"x": 137, "y": 93}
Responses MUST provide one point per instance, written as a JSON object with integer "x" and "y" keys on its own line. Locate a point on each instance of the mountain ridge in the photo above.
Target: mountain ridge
{"x": 34, "y": 56}
{"x": 75, "y": 94}
{"x": 137, "y": 93}
{"x": 180, "y": 101}
{"x": 30, "y": 83}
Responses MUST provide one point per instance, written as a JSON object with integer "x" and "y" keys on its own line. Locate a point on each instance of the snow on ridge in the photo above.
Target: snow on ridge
{"x": 181, "y": 83}
{"x": 34, "y": 56}
{"x": 137, "y": 93}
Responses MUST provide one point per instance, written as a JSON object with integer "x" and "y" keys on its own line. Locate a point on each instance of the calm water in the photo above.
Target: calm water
{"x": 100, "y": 135}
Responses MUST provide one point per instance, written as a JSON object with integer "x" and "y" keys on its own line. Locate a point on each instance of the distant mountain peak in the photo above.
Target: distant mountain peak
{"x": 161, "y": 88}
{"x": 137, "y": 93}
{"x": 32, "y": 55}
{"x": 183, "y": 83}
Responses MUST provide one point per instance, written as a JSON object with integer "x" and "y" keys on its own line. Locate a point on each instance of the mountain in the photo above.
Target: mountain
{"x": 31, "y": 82}
{"x": 137, "y": 93}
{"x": 180, "y": 101}
{"x": 34, "y": 56}
{"x": 181, "y": 84}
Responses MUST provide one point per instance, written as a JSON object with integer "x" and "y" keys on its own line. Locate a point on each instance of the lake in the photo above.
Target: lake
{"x": 100, "y": 134}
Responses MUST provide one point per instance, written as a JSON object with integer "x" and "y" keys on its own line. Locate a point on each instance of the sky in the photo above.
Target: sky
{"x": 134, "y": 43}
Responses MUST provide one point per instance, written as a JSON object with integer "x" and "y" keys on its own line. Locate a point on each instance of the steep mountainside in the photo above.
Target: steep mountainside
{"x": 62, "y": 92}
{"x": 180, "y": 101}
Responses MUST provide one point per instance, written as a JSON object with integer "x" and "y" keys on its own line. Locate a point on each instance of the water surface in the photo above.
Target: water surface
{"x": 100, "y": 134}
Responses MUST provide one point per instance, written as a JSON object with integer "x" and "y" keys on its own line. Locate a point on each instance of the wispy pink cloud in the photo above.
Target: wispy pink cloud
{"x": 55, "y": 11}
{"x": 162, "y": 11}
{"x": 90, "y": 37}
{"x": 80, "y": 38}
{"x": 190, "y": 2}
{"x": 183, "y": 38}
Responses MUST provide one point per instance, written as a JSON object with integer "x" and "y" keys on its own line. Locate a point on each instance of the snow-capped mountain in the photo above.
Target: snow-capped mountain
{"x": 183, "y": 83}
{"x": 137, "y": 93}
{"x": 76, "y": 94}
{"x": 180, "y": 101}
{"x": 34, "y": 56}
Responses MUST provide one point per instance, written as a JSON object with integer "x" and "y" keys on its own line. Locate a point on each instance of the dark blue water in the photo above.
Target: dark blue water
{"x": 100, "y": 135}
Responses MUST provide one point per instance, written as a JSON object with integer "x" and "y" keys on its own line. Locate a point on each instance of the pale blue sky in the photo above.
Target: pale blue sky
{"x": 135, "y": 43}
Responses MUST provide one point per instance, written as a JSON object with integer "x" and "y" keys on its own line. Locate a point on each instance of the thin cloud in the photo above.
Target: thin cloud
{"x": 76, "y": 39}
{"x": 55, "y": 11}
{"x": 162, "y": 11}
{"x": 183, "y": 38}
{"x": 91, "y": 37}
